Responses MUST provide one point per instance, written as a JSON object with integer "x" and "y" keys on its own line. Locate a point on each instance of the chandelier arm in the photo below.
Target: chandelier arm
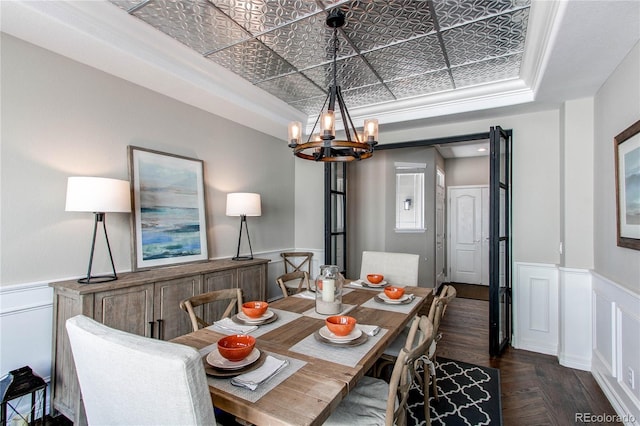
{"x": 346, "y": 117}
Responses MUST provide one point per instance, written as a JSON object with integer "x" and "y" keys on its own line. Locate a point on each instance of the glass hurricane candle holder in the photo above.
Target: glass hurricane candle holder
{"x": 329, "y": 285}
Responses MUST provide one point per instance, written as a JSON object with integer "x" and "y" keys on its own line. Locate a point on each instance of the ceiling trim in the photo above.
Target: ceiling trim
{"x": 105, "y": 37}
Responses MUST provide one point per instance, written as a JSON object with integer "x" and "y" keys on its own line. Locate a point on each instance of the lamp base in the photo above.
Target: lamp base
{"x": 242, "y": 258}
{"x": 97, "y": 279}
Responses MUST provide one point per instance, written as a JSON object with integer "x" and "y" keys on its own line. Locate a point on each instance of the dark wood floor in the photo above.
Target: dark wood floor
{"x": 536, "y": 389}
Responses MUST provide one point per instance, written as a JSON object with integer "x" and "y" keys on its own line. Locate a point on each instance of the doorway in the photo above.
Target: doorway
{"x": 372, "y": 211}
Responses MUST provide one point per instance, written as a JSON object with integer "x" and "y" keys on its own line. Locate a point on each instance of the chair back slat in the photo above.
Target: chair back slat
{"x": 297, "y": 261}
{"x": 233, "y": 295}
{"x": 293, "y": 282}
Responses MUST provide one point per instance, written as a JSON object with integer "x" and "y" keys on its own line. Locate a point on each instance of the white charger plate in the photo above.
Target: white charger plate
{"x": 382, "y": 283}
{"x": 268, "y": 314}
{"x": 218, "y": 361}
{"x": 387, "y": 299}
{"x": 324, "y": 332}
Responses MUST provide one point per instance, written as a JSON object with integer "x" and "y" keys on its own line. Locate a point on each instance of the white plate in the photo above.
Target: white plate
{"x": 387, "y": 299}
{"x": 324, "y": 332}
{"x": 218, "y": 361}
{"x": 380, "y": 284}
{"x": 264, "y": 317}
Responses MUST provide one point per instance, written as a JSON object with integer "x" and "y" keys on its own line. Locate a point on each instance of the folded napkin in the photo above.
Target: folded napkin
{"x": 226, "y": 326}
{"x": 370, "y": 330}
{"x": 357, "y": 283}
{"x": 306, "y": 294}
{"x": 253, "y": 379}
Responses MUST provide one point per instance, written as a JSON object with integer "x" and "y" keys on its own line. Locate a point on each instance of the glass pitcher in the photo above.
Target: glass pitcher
{"x": 329, "y": 285}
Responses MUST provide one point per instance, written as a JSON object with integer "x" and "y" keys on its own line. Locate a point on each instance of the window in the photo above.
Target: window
{"x": 410, "y": 197}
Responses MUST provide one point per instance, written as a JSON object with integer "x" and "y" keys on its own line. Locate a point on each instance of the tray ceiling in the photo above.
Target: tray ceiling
{"x": 389, "y": 50}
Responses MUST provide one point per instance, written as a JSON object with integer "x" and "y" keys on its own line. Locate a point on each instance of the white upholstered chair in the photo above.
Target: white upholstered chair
{"x": 127, "y": 379}
{"x": 398, "y": 268}
{"x": 376, "y": 402}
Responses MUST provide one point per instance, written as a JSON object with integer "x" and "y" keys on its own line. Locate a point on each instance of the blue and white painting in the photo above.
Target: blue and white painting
{"x": 170, "y": 209}
{"x": 629, "y": 191}
{"x": 632, "y": 186}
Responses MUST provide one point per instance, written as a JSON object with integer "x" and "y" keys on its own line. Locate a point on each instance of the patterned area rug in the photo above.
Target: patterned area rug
{"x": 469, "y": 395}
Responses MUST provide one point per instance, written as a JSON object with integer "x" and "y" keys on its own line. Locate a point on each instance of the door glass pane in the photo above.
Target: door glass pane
{"x": 503, "y": 212}
{"x": 337, "y": 242}
{"x": 503, "y": 160}
{"x": 337, "y": 177}
{"x": 503, "y": 316}
{"x": 502, "y": 274}
{"x": 337, "y": 212}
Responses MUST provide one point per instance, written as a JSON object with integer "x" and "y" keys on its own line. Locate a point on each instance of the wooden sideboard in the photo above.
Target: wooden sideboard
{"x": 144, "y": 303}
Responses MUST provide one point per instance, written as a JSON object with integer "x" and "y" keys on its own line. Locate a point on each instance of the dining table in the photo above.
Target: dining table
{"x": 318, "y": 373}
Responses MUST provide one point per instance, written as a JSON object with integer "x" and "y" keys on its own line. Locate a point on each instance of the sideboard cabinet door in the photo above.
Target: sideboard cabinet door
{"x": 171, "y": 321}
{"x": 128, "y": 309}
{"x": 251, "y": 279}
{"x": 217, "y": 281}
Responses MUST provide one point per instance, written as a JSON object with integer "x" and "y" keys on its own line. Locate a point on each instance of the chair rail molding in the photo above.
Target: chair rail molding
{"x": 616, "y": 346}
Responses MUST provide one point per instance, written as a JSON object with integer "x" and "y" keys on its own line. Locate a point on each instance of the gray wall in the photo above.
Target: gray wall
{"x": 61, "y": 118}
{"x": 467, "y": 171}
{"x": 617, "y": 106}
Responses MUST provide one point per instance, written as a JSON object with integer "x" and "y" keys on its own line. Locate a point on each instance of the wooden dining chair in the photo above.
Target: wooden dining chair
{"x": 398, "y": 268}
{"x": 293, "y": 282}
{"x": 126, "y": 379}
{"x": 210, "y": 302}
{"x": 374, "y": 401}
{"x": 297, "y": 261}
{"x": 447, "y": 294}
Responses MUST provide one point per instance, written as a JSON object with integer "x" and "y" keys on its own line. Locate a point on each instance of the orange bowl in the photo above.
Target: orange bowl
{"x": 254, "y": 309}
{"x": 341, "y": 325}
{"x": 375, "y": 278}
{"x": 393, "y": 292}
{"x": 236, "y": 347}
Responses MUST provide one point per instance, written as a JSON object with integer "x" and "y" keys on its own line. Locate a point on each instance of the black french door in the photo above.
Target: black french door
{"x": 335, "y": 215}
{"x": 499, "y": 240}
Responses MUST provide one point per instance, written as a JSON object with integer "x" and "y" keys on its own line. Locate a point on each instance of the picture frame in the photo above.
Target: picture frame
{"x": 627, "y": 163}
{"x": 168, "y": 222}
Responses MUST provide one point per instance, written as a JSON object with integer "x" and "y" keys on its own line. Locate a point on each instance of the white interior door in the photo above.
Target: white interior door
{"x": 468, "y": 264}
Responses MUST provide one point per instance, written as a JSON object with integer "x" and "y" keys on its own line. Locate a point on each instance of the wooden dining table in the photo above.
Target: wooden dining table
{"x": 321, "y": 381}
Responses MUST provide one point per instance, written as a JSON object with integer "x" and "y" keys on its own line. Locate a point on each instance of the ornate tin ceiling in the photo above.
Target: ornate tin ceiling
{"x": 388, "y": 49}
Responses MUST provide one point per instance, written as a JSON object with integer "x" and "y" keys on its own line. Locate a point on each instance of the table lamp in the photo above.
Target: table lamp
{"x": 99, "y": 196}
{"x": 243, "y": 204}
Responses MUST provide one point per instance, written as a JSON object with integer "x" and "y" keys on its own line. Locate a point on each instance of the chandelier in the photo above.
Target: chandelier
{"x": 324, "y": 146}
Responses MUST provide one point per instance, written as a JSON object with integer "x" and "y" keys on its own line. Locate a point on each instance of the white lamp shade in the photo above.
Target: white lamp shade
{"x": 99, "y": 195}
{"x": 243, "y": 203}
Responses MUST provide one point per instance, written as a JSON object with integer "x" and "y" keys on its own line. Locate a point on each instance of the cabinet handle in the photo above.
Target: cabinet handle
{"x": 160, "y": 329}
{"x": 151, "y": 323}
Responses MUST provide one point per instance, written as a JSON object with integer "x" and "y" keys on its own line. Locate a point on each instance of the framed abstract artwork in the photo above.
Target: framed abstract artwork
{"x": 627, "y": 162}
{"x": 169, "y": 211}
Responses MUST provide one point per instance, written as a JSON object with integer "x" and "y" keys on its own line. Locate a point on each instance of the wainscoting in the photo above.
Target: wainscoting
{"x": 587, "y": 321}
{"x": 616, "y": 345}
